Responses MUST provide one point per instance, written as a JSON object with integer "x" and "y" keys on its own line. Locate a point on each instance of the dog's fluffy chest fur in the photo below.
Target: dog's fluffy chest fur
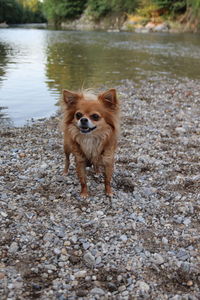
{"x": 91, "y": 146}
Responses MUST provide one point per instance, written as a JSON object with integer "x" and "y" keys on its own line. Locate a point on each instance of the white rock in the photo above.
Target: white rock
{"x": 4, "y": 214}
{"x": 164, "y": 240}
{"x": 123, "y": 238}
{"x": 176, "y": 297}
{"x": 143, "y": 286}
{"x": 80, "y": 274}
{"x": 187, "y": 221}
{"x": 180, "y": 130}
{"x": 57, "y": 251}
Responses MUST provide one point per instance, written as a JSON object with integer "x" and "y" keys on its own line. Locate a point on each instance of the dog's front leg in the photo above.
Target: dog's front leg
{"x": 81, "y": 172}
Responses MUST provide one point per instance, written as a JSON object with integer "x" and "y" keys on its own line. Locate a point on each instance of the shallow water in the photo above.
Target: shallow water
{"x": 36, "y": 64}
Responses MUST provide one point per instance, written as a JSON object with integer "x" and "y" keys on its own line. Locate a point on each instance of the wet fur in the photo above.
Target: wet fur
{"x": 97, "y": 147}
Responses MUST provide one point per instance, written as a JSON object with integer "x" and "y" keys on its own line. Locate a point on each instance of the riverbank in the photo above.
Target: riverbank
{"x": 132, "y": 23}
{"x": 143, "y": 243}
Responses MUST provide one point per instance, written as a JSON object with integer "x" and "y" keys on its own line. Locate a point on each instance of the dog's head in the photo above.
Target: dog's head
{"x": 91, "y": 113}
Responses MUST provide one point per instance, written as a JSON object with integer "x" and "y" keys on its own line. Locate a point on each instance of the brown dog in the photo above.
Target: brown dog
{"x": 91, "y": 129}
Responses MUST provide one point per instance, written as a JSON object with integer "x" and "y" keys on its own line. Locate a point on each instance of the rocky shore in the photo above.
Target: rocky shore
{"x": 132, "y": 23}
{"x": 141, "y": 244}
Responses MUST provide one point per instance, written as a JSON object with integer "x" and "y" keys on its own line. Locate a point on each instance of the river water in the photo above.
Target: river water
{"x": 36, "y": 64}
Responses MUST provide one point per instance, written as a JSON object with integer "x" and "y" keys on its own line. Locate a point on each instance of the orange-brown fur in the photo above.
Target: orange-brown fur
{"x": 98, "y": 146}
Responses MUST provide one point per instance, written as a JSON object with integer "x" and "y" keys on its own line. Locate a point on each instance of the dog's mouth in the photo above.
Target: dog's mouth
{"x": 87, "y": 129}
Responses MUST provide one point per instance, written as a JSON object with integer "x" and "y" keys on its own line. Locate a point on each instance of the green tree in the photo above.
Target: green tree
{"x": 172, "y": 6}
{"x": 59, "y": 10}
{"x": 127, "y": 6}
{"x": 195, "y": 6}
{"x": 101, "y": 8}
{"x": 17, "y": 11}
{"x": 32, "y": 11}
{"x": 10, "y": 11}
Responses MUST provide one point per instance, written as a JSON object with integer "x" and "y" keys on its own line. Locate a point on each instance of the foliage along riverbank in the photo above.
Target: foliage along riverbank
{"x": 20, "y": 11}
{"x": 142, "y": 15}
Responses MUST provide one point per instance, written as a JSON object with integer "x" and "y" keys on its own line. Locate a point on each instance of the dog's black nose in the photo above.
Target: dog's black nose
{"x": 84, "y": 121}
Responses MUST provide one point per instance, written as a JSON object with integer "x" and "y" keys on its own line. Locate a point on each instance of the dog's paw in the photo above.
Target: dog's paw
{"x": 110, "y": 195}
{"x": 108, "y": 191}
{"x": 84, "y": 195}
{"x": 65, "y": 172}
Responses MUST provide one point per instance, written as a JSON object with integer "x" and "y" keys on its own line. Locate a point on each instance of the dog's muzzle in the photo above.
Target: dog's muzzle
{"x": 86, "y": 125}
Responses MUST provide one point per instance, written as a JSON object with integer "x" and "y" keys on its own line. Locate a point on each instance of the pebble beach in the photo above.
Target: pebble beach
{"x": 143, "y": 243}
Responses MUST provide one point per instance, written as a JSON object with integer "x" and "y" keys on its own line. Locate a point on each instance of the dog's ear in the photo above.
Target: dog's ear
{"x": 109, "y": 98}
{"x": 70, "y": 98}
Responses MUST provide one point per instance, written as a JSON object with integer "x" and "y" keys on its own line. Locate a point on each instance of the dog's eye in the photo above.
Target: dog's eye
{"x": 78, "y": 115}
{"x": 95, "y": 117}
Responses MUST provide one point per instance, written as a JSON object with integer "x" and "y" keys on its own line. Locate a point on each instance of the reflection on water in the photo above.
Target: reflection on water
{"x": 5, "y": 120}
{"x": 35, "y": 65}
{"x": 106, "y": 58}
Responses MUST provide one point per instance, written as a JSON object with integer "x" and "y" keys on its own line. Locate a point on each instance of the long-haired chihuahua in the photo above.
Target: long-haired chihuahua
{"x": 91, "y": 130}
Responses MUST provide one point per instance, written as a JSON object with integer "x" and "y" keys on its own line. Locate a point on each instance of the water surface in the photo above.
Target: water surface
{"x": 36, "y": 64}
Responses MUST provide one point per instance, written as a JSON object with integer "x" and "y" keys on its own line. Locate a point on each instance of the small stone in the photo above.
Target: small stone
{"x": 13, "y": 247}
{"x": 56, "y": 251}
{"x": 141, "y": 219}
{"x": 125, "y": 293}
{"x": 67, "y": 243}
{"x": 182, "y": 254}
{"x": 86, "y": 245}
{"x": 133, "y": 216}
{"x": 111, "y": 287}
{"x": 158, "y": 259}
{"x": 119, "y": 278}
{"x": 122, "y": 288}
{"x": 51, "y": 267}
{"x": 64, "y": 251}
{"x": 60, "y": 178}
{"x": 180, "y": 130}
{"x": 80, "y": 274}
{"x": 74, "y": 239}
{"x": 87, "y": 278}
{"x": 4, "y": 196}
{"x": 60, "y": 234}
{"x": 43, "y": 258}
{"x": 176, "y": 297}
{"x": 189, "y": 283}
{"x": 186, "y": 221}
{"x": 4, "y": 214}
{"x": 74, "y": 259}
{"x": 48, "y": 237}
{"x": 143, "y": 286}
{"x": 97, "y": 291}
{"x": 2, "y": 275}
{"x": 98, "y": 260}
{"x": 75, "y": 283}
{"x": 36, "y": 286}
{"x": 123, "y": 238}
{"x": 81, "y": 293}
{"x": 89, "y": 259}
{"x": 43, "y": 166}
{"x": 164, "y": 240}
